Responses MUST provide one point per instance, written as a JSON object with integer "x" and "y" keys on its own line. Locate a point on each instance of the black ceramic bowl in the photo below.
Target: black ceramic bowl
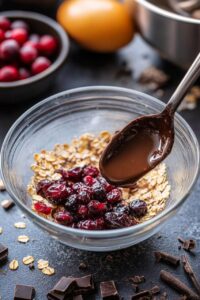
{"x": 23, "y": 90}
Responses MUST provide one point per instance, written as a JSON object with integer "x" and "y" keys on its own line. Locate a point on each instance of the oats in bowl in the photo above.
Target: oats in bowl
{"x": 67, "y": 188}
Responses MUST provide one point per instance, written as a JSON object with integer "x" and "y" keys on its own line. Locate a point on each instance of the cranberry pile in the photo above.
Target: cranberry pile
{"x": 22, "y": 52}
{"x": 86, "y": 200}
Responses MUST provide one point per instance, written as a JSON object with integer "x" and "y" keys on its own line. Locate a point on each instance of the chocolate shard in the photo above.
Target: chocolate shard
{"x": 66, "y": 285}
{"x": 3, "y": 253}
{"x": 108, "y": 290}
{"x": 85, "y": 285}
{"x": 166, "y": 257}
{"x": 24, "y": 292}
{"x": 56, "y": 296}
{"x": 190, "y": 272}
{"x": 188, "y": 245}
{"x": 78, "y": 297}
{"x": 147, "y": 294}
{"x": 137, "y": 279}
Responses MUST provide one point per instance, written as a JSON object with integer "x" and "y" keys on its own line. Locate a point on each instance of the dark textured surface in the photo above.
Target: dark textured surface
{"x": 82, "y": 69}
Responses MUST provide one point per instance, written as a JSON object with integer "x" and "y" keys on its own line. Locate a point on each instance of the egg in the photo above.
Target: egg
{"x": 97, "y": 25}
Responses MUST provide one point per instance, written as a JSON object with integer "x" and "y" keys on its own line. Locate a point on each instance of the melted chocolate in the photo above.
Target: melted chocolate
{"x": 137, "y": 148}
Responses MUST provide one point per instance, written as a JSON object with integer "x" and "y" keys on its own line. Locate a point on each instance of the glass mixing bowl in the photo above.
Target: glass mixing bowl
{"x": 60, "y": 118}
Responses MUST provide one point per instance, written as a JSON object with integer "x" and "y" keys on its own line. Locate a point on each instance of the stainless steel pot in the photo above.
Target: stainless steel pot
{"x": 177, "y": 38}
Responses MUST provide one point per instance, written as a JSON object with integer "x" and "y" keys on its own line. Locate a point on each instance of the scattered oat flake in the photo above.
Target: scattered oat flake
{"x": 2, "y": 186}
{"x": 13, "y": 265}
{"x": 1, "y": 230}
{"x": 48, "y": 271}
{"x": 42, "y": 264}
{"x": 20, "y": 225}
{"x": 28, "y": 260}
{"x": 23, "y": 239}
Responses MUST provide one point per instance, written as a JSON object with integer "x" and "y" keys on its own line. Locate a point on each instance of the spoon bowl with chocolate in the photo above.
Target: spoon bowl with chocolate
{"x": 146, "y": 141}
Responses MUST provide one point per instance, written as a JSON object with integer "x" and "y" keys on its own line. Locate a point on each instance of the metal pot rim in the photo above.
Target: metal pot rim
{"x": 167, "y": 14}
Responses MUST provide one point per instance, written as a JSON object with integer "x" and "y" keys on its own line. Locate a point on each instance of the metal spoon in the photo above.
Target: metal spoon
{"x": 145, "y": 142}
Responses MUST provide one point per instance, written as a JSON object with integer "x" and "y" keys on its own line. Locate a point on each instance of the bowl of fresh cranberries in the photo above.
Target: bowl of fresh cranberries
{"x": 49, "y": 164}
{"x": 33, "y": 47}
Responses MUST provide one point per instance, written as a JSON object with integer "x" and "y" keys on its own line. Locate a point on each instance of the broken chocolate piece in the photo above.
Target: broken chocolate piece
{"x": 85, "y": 285}
{"x": 137, "y": 279}
{"x": 24, "y": 292}
{"x": 166, "y": 257}
{"x": 55, "y": 296}
{"x": 189, "y": 271}
{"x": 187, "y": 244}
{"x": 108, "y": 290}
{"x": 7, "y": 204}
{"x": 147, "y": 294}
{"x": 3, "y": 253}
{"x": 78, "y": 297}
{"x": 177, "y": 285}
{"x": 65, "y": 285}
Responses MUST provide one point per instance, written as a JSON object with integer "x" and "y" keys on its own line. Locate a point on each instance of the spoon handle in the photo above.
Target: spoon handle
{"x": 189, "y": 79}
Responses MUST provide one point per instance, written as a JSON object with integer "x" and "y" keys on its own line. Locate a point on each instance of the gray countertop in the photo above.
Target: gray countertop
{"x": 82, "y": 69}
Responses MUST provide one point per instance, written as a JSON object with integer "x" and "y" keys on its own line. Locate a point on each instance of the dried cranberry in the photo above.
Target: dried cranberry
{"x": 89, "y": 180}
{"x": 138, "y": 208}
{"x": 4, "y": 23}
{"x": 117, "y": 220}
{"x": 97, "y": 208}
{"x": 78, "y": 186}
{"x": 72, "y": 202}
{"x": 42, "y": 208}
{"x": 82, "y": 211}
{"x": 48, "y": 44}
{"x": 19, "y": 24}
{"x": 57, "y": 192}
{"x": 9, "y": 49}
{"x": 122, "y": 209}
{"x": 20, "y": 35}
{"x": 28, "y": 54}
{"x": 40, "y": 64}
{"x": 42, "y": 186}
{"x": 63, "y": 216}
{"x": 89, "y": 224}
{"x": 98, "y": 192}
{"x": 84, "y": 196}
{"x": 8, "y": 74}
{"x": 74, "y": 174}
{"x": 114, "y": 196}
{"x": 107, "y": 186}
{"x": 91, "y": 171}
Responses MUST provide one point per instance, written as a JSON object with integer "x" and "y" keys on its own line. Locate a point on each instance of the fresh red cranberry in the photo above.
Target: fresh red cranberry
{"x": 31, "y": 44}
{"x": 2, "y": 35}
{"x": 90, "y": 171}
{"x": 19, "y": 24}
{"x": 8, "y": 34}
{"x": 82, "y": 211}
{"x": 20, "y": 35}
{"x": 40, "y": 64}
{"x": 72, "y": 202}
{"x": 9, "y": 73}
{"x": 63, "y": 216}
{"x": 98, "y": 192}
{"x": 89, "y": 224}
{"x": 42, "y": 208}
{"x": 4, "y": 23}
{"x": 107, "y": 186}
{"x": 138, "y": 208}
{"x": 117, "y": 220}
{"x": 57, "y": 193}
{"x": 114, "y": 196}
{"x": 122, "y": 209}
{"x": 89, "y": 180}
{"x": 97, "y": 208}
{"x": 48, "y": 44}
{"x": 24, "y": 73}
{"x": 28, "y": 54}
{"x": 42, "y": 186}
{"x": 9, "y": 49}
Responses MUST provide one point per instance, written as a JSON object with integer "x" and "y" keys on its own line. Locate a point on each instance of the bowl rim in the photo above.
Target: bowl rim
{"x": 64, "y": 49}
{"x": 101, "y": 233}
{"x": 166, "y": 13}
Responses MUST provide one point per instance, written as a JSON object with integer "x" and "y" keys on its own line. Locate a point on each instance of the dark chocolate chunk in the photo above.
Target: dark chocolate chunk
{"x": 7, "y": 204}
{"x": 24, "y": 292}
{"x": 85, "y": 285}
{"x": 56, "y": 296}
{"x": 65, "y": 285}
{"x": 78, "y": 297}
{"x": 166, "y": 257}
{"x": 3, "y": 253}
{"x": 108, "y": 290}
{"x": 137, "y": 279}
{"x": 187, "y": 244}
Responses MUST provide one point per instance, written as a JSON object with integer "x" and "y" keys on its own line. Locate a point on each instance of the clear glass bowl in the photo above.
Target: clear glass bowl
{"x": 60, "y": 118}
